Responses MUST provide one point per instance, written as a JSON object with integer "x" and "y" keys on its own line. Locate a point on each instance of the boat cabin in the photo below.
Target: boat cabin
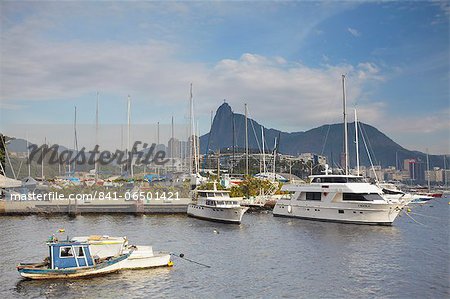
{"x": 340, "y": 179}
{"x": 69, "y": 254}
{"x": 213, "y": 194}
{"x": 216, "y": 198}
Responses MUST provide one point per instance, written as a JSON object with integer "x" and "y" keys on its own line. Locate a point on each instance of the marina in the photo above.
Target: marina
{"x": 224, "y": 149}
{"x": 271, "y": 256}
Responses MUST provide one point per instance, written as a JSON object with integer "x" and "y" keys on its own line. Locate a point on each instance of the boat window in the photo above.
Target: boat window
{"x": 356, "y": 180}
{"x": 313, "y": 196}
{"x": 361, "y": 197}
{"x": 332, "y": 179}
{"x": 65, "y": 251}
{"x": 353, "y": 197}
{"x": 372, "y": 197}
{"x": 79, "y": 251}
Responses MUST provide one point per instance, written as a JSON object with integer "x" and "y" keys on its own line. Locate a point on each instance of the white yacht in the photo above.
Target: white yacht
{"x": 216, "y": 205}
{"x": 340, "y": 198}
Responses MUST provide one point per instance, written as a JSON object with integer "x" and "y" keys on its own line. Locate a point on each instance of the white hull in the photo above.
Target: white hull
{"x": 226, "y": 215}
{"x": 360, "y": 213}
{"x": 144, "y": 257}
{"x": 417, "y": 198}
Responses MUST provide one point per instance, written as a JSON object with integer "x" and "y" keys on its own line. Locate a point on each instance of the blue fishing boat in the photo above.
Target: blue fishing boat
{"x": 71, "y": 259}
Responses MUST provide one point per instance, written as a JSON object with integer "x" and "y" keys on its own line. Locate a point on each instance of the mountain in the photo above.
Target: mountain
{"x": 326, "y": 140}
{"x": 19, "y": 145}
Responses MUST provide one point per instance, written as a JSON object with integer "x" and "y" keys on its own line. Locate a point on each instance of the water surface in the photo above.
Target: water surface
{"x": 264, "y": 257}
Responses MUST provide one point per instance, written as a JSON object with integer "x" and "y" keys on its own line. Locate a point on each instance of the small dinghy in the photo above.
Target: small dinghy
{"x": 140, "y": 256}
{"x": 80, "y": 258}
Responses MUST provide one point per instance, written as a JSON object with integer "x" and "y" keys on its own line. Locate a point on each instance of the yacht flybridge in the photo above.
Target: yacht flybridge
{"x": 341, "y": 198}
{"x": 216, "y": 205}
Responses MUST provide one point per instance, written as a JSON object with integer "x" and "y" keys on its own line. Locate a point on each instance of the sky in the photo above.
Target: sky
{"x": 283, "y": 58}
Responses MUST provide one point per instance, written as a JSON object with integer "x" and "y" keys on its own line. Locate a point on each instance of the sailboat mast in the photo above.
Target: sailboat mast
{"x": 75, "y": 142}
{"x": 357, "y": 143}
{"x": 246, "y": 141}
{"x": 197, "y": 150}
{"x": 263, "y": 150}
{"x": 234, "y": 142}
{"x": 96, "y": 139}
{"x": 205, "y": 160}
{"x": 428, "y": 171}
{"x": 121, "y": 146}
{"x": 28, "y": 156}
{"x": 172, "y": 146}
{"x": 445, "y": 171}
{"x": 42, "y": 162}
{"x": 191, "y": 131}
{"x": 218, "y": 165}
{"x": 157, "y": 145}
{"x": 130, "y": 163}
{"x": 274, "y": 157}
{"x": 345, "y": 126}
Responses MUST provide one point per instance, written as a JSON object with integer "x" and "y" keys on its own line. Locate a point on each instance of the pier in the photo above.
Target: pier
{"x": 11, "y": 207}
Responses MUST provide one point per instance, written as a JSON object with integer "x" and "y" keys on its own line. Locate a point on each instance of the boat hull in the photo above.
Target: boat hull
{"x": 224, "y": 215}
{"x": 105, "y": 267}
{"x": 356, "y": 213}
{"x": 144, "y": 257}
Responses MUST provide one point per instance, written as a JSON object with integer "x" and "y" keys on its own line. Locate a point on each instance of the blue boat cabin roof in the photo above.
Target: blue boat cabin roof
{"x": 65, "y": 255}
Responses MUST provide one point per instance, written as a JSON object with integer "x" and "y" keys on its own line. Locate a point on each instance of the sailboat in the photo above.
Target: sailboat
{"x": 340, "y": 198}
{"x": 195, "y": 178}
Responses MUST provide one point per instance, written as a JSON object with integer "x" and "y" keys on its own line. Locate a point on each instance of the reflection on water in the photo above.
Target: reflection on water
{"x": 265, "y": 256}
{"x": 126, "y": 282}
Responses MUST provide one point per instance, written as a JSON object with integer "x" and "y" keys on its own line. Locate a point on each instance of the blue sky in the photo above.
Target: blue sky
{"x": 282, "y": 58}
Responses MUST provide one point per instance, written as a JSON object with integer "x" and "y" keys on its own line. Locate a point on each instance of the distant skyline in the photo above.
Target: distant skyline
{"x": 284, "y": 59}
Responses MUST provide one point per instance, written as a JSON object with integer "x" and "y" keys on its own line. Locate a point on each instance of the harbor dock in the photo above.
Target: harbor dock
{"x": 95, "y": 206}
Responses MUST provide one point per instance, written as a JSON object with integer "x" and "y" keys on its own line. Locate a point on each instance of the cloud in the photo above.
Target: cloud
{"x": 369, "y": 71}
{"x": 354, "y": 32}
{"x": 420, "y": 132}
{"x": 61, "y": 70}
